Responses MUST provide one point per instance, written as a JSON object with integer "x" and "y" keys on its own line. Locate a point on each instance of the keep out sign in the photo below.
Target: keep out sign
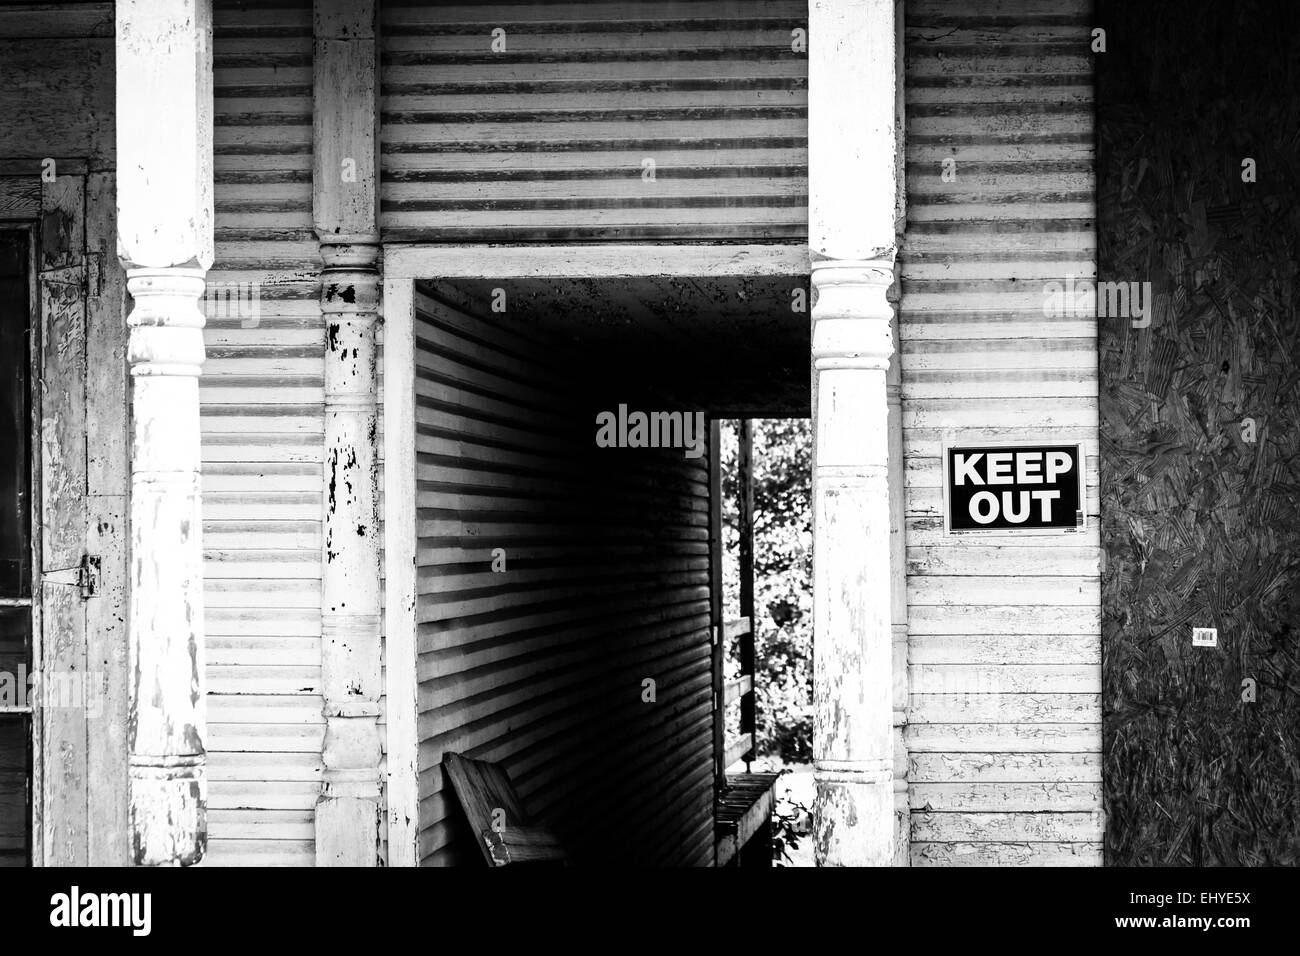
{"x": 1031, "y": 488}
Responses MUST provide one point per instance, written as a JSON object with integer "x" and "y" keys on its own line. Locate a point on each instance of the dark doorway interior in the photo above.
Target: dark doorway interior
{"x": 15, "y": 552}
{"x": 569, "y": 583}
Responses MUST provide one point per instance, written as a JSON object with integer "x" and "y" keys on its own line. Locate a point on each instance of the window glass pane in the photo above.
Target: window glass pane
{"x": 14, "y": 827}
{"x": 15, "y": 654}
{"x": 15, "y": 501}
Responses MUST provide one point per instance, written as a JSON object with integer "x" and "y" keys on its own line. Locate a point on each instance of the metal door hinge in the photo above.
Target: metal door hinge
{"x": 84, "y": 576}
{"x": 87, "y": 275}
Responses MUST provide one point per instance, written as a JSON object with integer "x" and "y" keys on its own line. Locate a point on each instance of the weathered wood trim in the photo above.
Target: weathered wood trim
{"x": 43, "y": 21}
{"x": 345, "y": 210}
{"x": 76, "y": 213}
{"x": 897, "y": 471}
{"x": 594, "y": 261}
{"x": 108, "y": 497}
{"x": 20, "y": 196}
{"x": 62, "y": 515}
{"x": 400, "y": 544}
{"x": 30, "y": 168}
{"x": 36, "y": 477}
{"x": 898, "y": 596}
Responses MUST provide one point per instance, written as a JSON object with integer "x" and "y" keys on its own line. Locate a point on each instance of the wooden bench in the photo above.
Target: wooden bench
{"x": 503, "y": 831}
{"x": 742, "y": 815}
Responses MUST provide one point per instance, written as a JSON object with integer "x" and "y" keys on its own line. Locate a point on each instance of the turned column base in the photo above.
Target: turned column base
{"x": 169, "y": 825}
{"x": 853, "y": 815}
{"x": 348, "y": 819}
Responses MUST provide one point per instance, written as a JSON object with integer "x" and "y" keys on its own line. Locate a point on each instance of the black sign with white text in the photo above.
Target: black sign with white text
{"x": 1003, "y": 488}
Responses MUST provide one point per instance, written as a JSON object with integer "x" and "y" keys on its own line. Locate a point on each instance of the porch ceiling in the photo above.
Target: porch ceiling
{"x": 734, "y": 346}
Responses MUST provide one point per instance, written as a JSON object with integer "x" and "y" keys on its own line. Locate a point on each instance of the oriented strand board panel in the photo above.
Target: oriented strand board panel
{"x": 1004, "y": 728}
{"x": 555, "y": 578}
{"x": 1202, "y": 426}
{"x": 262, "y": 429}
{"x": 660, "y": 119}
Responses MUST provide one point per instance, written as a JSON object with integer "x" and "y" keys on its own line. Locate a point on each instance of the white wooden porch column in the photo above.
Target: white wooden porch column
{"x": 164, "y": 214}
{"x": 852, "y": 189}
{"x": 345, "y": 200}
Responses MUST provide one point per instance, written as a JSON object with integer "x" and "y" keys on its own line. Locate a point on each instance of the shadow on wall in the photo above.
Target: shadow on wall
{"x": 1198, "y": 166}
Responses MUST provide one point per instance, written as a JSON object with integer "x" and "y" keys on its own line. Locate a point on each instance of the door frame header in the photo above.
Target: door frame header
{"x": 425, "y": 261}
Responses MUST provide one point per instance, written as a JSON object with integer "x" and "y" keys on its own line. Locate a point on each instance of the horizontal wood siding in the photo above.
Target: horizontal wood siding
{"x": 1004, "y": 731}
{"x": 606, "y": 584}
{"x": 547, "y": 138}
{"x": 262, "y": 424}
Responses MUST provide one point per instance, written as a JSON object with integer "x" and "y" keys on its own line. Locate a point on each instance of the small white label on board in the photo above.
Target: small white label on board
{"x": 1205, "y": 637}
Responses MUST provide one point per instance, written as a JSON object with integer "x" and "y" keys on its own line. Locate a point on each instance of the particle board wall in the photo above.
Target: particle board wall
{"x": 1004, "y": 723}
{"x": 606, "y": 584}
{"x": 262, "y": 431}
{"x": 545, "y": 136}
{"x": 1201, "y": 420}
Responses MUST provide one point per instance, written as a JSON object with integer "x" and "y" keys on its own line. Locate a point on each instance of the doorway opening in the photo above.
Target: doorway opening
{"x": 767, "y": 583}
{"x": 569, "y": 618}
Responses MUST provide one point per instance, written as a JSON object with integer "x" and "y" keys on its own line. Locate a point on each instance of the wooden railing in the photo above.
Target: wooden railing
{"x": 740, "y": 745}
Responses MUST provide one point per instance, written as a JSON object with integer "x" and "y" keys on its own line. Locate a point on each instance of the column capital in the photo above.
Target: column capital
{"x": 350, "y": 278}
{"x": 166, "y": 322}
{"x": 883, "y": 261}
{"x": 357, "y": 248}
{"x": 851, "y": 313}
